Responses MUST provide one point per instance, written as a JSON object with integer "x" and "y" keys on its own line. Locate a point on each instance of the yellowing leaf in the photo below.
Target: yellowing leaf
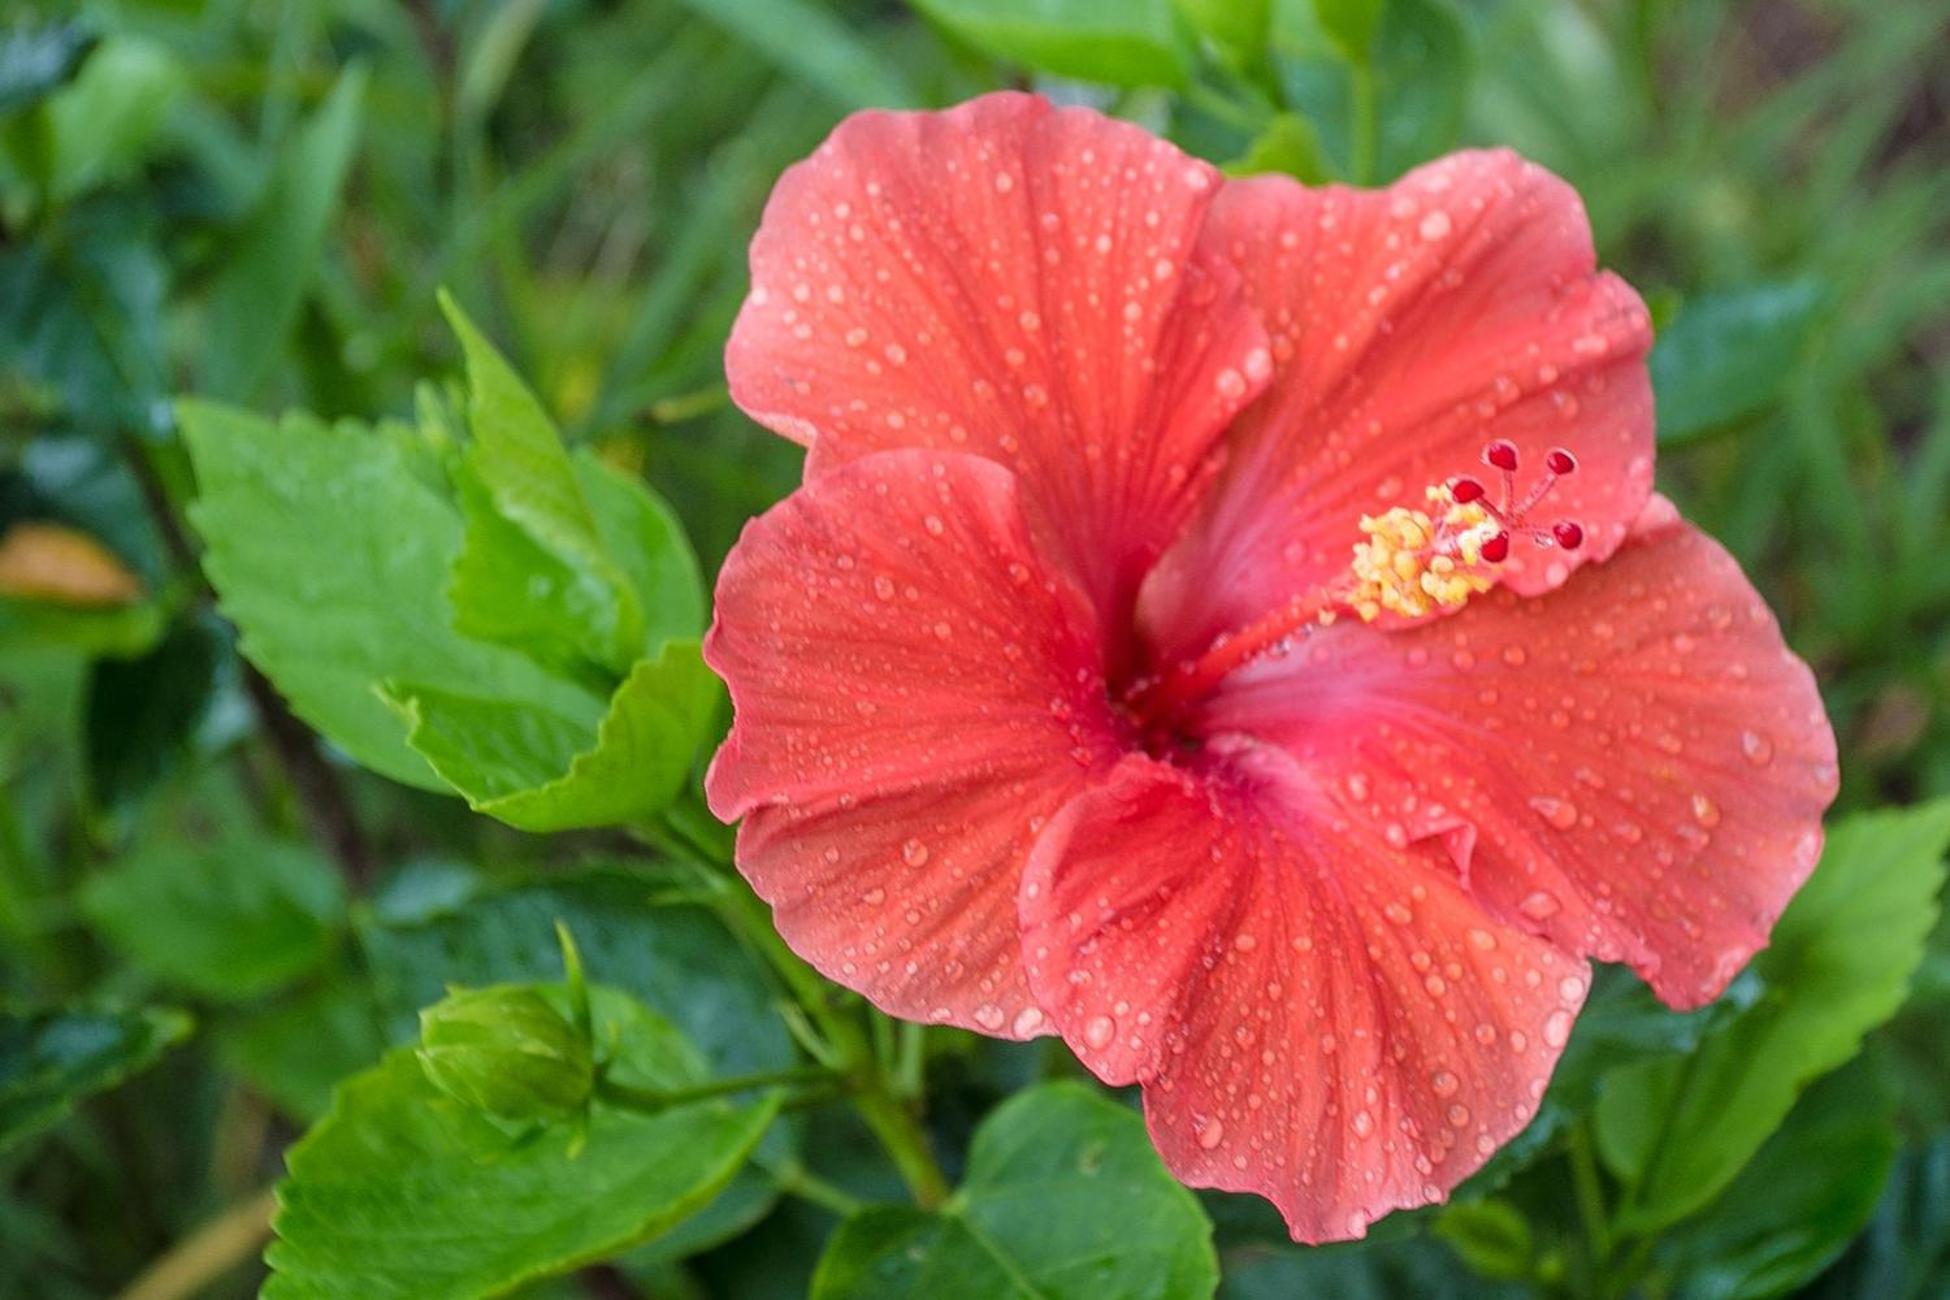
{"x": 52, "y": 562}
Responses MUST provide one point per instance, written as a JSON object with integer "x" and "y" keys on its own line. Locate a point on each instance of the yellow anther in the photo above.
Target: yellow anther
{"x": 1411, "y": 564}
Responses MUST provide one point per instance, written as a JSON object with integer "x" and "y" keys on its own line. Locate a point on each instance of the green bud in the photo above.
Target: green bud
{"x": 506, "y": 1050}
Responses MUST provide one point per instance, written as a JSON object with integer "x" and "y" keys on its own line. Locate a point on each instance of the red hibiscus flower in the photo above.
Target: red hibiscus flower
{"x": 1150, "y": 657}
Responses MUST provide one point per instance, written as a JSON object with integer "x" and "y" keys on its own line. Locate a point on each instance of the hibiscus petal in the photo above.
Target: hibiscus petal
{"x": 1316, "y": 1016}
{"x": 1015, "y": 281}
{"x": 1410, "y": 327}
{"x": 1634, "y": 765}
{"x": 914, "y": 694}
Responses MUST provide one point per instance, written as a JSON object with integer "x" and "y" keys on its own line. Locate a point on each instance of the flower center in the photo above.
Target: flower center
{"x": 1410, "y": 563}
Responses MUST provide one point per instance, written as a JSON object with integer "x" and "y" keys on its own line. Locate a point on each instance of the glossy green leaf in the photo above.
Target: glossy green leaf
{"x": 507, "y": 588}
{"x": 330, "y": 549}
{"x": 36, "y": 59}
{"x": 1730, "y": 354}
{"x": 1391, "y": 1263}
{"x": 232, "y": 919}
{"x": 403, "y": 1191}
{"x": 516, "y": 456}
{"x": 531, "y": 770}
{"x": 1120, "y": 42}
{"x": 677, "y": 958}
{"x": 1064, "y": 1197}
{"x": 1795, "y": 1206}
{"x": 269, "y": 266}
{"x": 50, "y": 1060}
{"x": 1677, "y": 1131}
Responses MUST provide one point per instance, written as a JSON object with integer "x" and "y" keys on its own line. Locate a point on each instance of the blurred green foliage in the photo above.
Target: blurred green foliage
{"x": 256, "y": 202}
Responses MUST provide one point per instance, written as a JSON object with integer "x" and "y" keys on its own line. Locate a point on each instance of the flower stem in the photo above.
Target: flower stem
{"x": 797, "y": 1180}
{"x": 651, "y": 1100}
{"x": 896, "y": 1127}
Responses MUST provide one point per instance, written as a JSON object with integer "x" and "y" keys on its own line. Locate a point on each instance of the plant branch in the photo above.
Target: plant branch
{"x": 193, "y": 1264}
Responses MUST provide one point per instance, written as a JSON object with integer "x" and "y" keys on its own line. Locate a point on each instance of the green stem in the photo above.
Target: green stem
{"x": 1590, "y": 1194}
{"x": 797, "y": 1180}
{"x": 652, "y": 1100}
{"x": 1362, "y": 164}
{"x": 897, "y": 1128}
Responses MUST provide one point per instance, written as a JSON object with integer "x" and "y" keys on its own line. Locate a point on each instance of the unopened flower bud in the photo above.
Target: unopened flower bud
{"x": 506, "y": 1050}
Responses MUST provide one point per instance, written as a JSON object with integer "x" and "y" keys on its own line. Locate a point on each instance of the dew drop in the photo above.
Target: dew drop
{"x": 1758, "y": 748}
{"x": 1557, "y": 1028}
{"x": 1211, "y": 1133}
{"x": 1539, "y": 905}
{"x": 1444, "y": 1083}
{"x": 1363, "y": 1123}
{"x": 1028, "y": 1021}
{"x": 1098, "y": 1032}
{"x": 1705, "y": 811}
{"x": 914, "y": 853}
{"x": 1562, "y": 814}
{"x": 989, "y": 1016}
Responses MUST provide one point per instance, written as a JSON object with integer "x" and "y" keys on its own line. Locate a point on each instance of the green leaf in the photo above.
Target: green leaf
{"x": 123, "y": 631}
{"x": 1729, "y": 354}
{"x": 517, "y": 458}
{"x": 36, "y": 60}
{"x": 1351, "y": 25}
{"x": 679, "y": 959}
{"x": 269, "y": 264}
{"x": 1677, "y": 1131}
{"x": 143, "y": 712}
{"x": 1621, "y": 1024}
{"x": 807, "y": 41}
{"x": 50, "y": 1060}
{"x": 403, "y": 1191}
{"x": 1288, "y": 145}
{"x": 296, "y": 1050}
{"x": 81, "y": 314}
{"x": 231, "y": 920}
{"x": 1422, "y": 64}
{"x": 329, "y": 548}
{"x": 508, "y": 589}
{"x": 104, "y": 122}
{"x": 1237, "y": 27}
{"x": 1491, "y": 1236}
{"x": 1905, "y": 1254}
{"x": 1064, "y": 1197}
{"x": 530, "y": 770}
{"x": 1796, "y": 1205}
{"x": 1378, "y": 1268}
{"x": 1119, "y": 42}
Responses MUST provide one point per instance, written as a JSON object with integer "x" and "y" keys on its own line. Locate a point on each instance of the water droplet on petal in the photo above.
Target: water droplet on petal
{"x": 1539, "y": 905}
{"x": 1758, "y": 748}
{"x": 914, "y": 853}
{"x": 1098, "y": 1032}
{"x": 1210, "y": 1133}
{"x": 1557, "y": 1028}
{"x": 1562, "y": 814}
{"x": 989, "y": 1016}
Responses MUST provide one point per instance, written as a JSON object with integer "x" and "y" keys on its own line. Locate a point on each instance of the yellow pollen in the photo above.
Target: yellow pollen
{"x": 1411, "y": 564}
